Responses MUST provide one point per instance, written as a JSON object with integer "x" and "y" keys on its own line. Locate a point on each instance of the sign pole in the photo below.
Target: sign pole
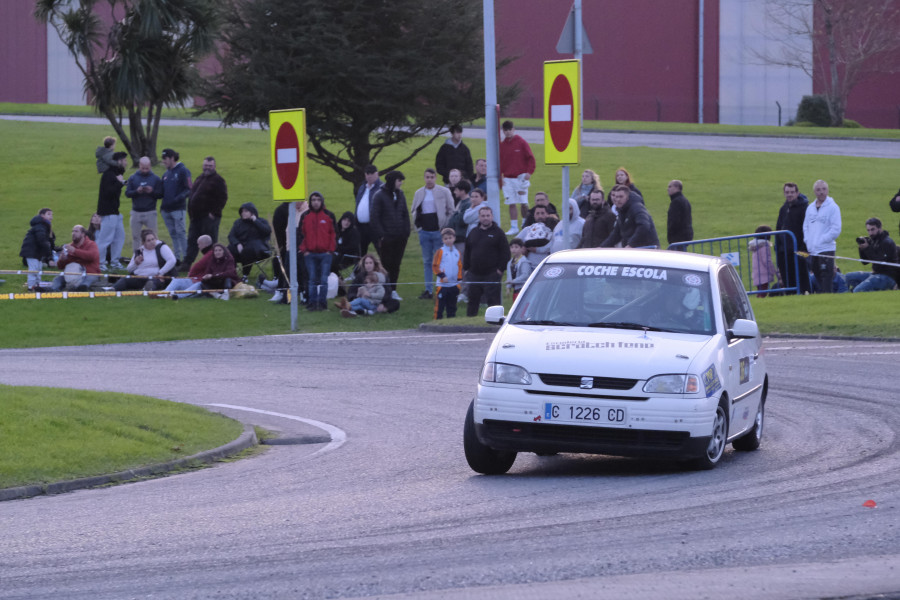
{"x": 565, "y": 202}
{"x": 288, "y": 137}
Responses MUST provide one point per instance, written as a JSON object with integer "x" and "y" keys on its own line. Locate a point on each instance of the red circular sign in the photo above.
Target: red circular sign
{"x": 562, "y": 122}
{"x": 287, "y": 155}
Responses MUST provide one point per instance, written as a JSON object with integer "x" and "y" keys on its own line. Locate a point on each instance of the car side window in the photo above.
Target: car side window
{"x": 733, "y": 298}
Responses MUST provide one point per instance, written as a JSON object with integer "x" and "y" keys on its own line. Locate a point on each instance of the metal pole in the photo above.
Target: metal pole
{"x": 579, "y": 53}
{"x": 565, "y": 205}
{"x": 292, "y": 261}
{"x": 700, "y": 68}
{"x": 492, "y": 141}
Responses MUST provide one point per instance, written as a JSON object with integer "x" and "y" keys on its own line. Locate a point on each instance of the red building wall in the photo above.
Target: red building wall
{"x": 644, "y": 65}
{"x": 23, "y": 54}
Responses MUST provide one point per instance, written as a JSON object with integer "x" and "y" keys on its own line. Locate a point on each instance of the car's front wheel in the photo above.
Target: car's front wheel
{"x": 483, "y": 459}
{"x": 717, "y": 440}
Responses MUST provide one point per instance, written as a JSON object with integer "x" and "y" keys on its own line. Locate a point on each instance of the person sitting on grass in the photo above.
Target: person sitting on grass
{"x": 153, "y": 263}
{"x": 191, "y": 283}
{"x": 220, "y": 274}
{"x": 368, "y": 297}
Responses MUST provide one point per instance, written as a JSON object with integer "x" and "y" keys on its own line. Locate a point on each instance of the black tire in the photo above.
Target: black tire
{"x": 483, "y": 459}
{"x": 717, "y": 441}
{"x": 750, "y": 441}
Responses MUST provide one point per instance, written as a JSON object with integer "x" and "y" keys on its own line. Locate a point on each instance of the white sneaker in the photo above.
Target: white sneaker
{"x": 224, "y": 295}
{"x": 462, "y": 298}
{"x": 513, "y": 230}
{"x": 396, "y": 296}
{"x": 277, "y": 297}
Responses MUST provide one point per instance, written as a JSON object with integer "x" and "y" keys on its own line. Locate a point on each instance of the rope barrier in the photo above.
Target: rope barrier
{"x": 861, "y": 260}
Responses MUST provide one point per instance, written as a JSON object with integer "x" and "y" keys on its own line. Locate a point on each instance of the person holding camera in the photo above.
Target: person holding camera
{"x": 877, "y": 246}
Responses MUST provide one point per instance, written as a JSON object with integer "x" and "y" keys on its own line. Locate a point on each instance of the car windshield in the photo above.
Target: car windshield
{"x": 618, "y": 296}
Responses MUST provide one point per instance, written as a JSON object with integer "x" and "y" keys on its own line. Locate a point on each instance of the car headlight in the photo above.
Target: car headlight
{"x": 673, "y": 384}
{"x": 504, "y": 373}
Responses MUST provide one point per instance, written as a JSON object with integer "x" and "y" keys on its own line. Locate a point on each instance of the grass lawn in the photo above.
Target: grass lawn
{"x": 53, "y": 165}
{"x": 49, "y": 435}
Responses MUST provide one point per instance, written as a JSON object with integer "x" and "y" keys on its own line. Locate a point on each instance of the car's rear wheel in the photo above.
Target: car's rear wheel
{"x": 750, "y": 440}
{"x": 483, "y": 459}
{"x": 717, "y": 440}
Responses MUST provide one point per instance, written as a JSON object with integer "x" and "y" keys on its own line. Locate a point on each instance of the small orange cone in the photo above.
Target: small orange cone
{"x": 869, "y": 504}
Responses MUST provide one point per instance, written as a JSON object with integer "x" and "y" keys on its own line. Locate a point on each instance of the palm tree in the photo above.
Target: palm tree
{"x": 139, "y": 58}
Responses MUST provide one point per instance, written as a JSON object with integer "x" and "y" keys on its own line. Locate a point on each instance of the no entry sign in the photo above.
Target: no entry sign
{"x": 288, "y": 134}
{"x": 562, "y": 113}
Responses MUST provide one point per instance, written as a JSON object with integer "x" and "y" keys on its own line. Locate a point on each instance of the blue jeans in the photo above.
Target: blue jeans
{"x": 362, "y": 304}
{"x": 112, "y": 236}
{"x": 318, "y": 265}
{"x": 861, "y": 281}
{"x": 430, "y": 241}
{"x": 174, "y": 220}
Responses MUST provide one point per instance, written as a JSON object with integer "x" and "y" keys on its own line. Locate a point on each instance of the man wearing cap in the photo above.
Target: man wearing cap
{"x": 176, "y": 188}
{"x": 208, "y": 197}
{"x": 82, "y": 251}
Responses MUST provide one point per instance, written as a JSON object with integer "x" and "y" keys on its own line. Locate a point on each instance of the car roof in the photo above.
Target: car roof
{"x": 634, "y": 256}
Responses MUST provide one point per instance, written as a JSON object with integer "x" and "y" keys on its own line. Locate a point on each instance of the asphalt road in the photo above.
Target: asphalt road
{"x": 871, "y": 148}
{"x": 393, "y": 508}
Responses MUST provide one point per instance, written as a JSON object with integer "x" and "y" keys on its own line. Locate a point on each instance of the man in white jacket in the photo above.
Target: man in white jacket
{"x": 821, "y": 228}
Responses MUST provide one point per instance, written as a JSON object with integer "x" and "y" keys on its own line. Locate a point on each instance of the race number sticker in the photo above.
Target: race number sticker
{"x": 745, "y": 369}
{"x": 711, "y": 383}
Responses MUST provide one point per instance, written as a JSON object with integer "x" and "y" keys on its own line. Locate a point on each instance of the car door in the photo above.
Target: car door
{"x": 742, "y": 376}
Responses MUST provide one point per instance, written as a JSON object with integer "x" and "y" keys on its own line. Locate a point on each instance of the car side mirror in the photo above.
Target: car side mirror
{"x": 494, "y": 314}
{"x": 743, "y": 328}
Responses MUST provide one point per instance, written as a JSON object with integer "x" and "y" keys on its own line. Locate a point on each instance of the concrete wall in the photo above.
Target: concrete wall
{"x": 749, "y": 90}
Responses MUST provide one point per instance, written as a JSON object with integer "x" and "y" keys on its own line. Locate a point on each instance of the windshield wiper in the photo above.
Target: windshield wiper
{"x": 543, "y": 322}
{"x": 623, "y": 325}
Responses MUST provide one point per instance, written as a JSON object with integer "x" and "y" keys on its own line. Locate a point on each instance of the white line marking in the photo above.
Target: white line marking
{"x": 338, "y": 436}
{"x": 560, "y": 112}
{"x": 286, "y": 155}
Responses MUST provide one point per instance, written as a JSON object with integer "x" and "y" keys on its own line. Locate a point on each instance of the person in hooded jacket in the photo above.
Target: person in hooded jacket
{"x": 634, "y": 226}
{"x": 220, "y": 272}
{"x": 390, "y": 227}
{"x": 38, "y": 245}
{"x": 112, "y": 230}
{"x": 248, "y": 240}
{"x": 318, "y": 245}
{"x": 348, "y": 243}
{"x": 599, "y": 222}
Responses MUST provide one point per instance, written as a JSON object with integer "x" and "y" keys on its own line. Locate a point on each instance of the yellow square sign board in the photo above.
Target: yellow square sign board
{"x": 287, "y": 129}
{"x": 562, "y": 112}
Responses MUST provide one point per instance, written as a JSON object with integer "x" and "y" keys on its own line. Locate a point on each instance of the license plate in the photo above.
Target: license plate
{"x": 579, "y": 413}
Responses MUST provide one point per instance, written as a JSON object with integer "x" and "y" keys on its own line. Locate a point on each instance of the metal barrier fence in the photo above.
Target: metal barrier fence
{"x": 755, "y": 258}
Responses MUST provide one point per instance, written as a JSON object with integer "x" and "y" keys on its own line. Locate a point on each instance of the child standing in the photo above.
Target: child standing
{"x": 519, "y": 267}
{"x": 762, "y": 270}
{"x": 447, "y": 266}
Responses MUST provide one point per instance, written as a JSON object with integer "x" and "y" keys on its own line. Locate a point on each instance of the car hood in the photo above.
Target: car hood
{"x": 599, "y": 352}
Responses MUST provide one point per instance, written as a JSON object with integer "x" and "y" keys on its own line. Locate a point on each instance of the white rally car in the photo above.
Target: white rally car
{"x": 623, "y": 352}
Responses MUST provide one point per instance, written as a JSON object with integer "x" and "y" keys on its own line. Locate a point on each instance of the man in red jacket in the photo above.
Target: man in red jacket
{"x": 82, "y": 251}
{"x": 318, "y": 245}
{"x": 517, "y": 166}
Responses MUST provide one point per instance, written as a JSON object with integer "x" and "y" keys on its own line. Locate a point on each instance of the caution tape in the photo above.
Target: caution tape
{"x": 64, "y": 295}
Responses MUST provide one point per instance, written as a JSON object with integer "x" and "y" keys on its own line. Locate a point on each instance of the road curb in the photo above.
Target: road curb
{"x": 246, "y": 440}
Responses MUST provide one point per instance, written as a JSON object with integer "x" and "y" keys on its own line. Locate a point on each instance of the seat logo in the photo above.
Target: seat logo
{"x": 587, "y": 383}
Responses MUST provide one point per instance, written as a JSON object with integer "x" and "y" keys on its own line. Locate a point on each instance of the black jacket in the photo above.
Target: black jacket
{"x": 254, "y": 234}
{"x": 790, "y": 218}
{"x": 598, "y": 225}
{"x": 390, "y": 215}
{"x": 883, "y": 249}
{"x": 209, "y": 193}
{"x": 110, "y": 191}
{"x": 449, "y": 158}
{"x": 39, "y": 240}
{"x": 679, "y": 227}
{"x": 487, "y": 251}
{"x": 634, "y": 227}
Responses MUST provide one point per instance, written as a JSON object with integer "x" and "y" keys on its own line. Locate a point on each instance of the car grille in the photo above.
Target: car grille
{"x": 603, "y": 383}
